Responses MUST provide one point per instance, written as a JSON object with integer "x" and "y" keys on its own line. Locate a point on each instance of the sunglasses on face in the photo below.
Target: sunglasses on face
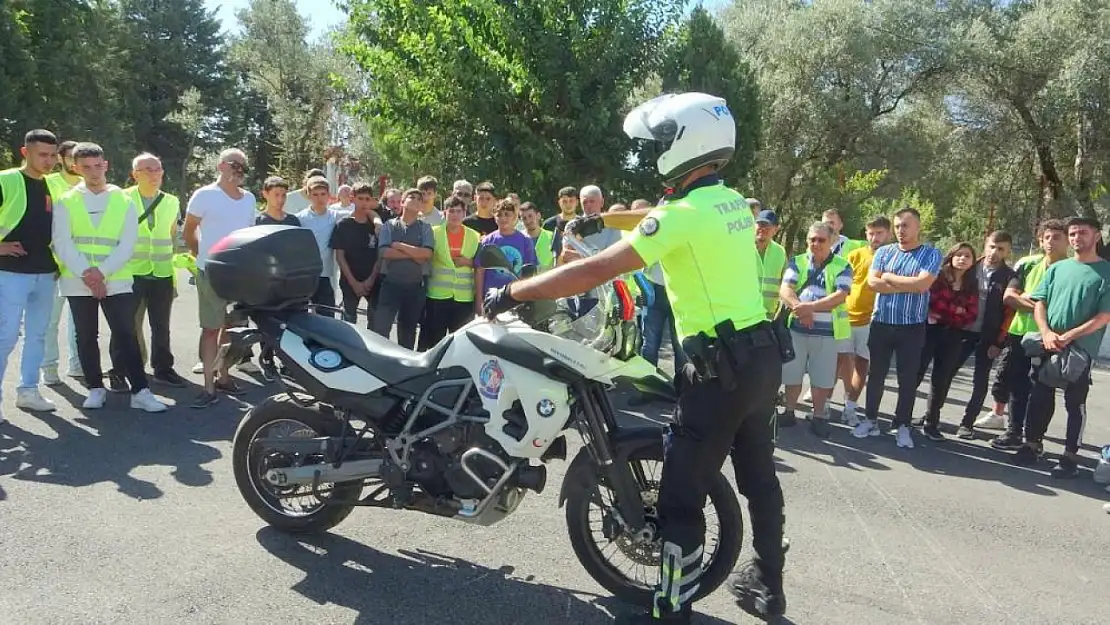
{"x": 237, "y": 167}
{"x": 463, "y": 194}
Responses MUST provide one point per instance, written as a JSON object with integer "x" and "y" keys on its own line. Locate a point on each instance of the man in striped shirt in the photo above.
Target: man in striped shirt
{"x": 901, "y": 275}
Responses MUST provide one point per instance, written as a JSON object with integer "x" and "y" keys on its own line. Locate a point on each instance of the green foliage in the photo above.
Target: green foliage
{"x": 529, "y": 94}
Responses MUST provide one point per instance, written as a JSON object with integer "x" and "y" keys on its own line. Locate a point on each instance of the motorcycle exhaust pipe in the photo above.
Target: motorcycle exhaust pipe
{"x": 321, "y": 473}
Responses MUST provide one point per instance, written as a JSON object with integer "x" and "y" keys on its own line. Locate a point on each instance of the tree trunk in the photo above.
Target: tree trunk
{"x": 1082, "y": 169}
{"x": 1052, "y": 188}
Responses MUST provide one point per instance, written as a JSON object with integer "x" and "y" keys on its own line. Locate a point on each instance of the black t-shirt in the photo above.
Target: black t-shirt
{"x": 265, "y": 220}
{"x": 359, "y": 243}
{"x": 484, "y": 225}
{"x": 34, "y": 231}
{"x": 555, "y": 225}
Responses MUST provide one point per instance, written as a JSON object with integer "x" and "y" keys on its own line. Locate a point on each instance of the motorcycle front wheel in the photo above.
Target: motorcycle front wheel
{"x": 599, "y": 541}
{"x": 296, "y": 509}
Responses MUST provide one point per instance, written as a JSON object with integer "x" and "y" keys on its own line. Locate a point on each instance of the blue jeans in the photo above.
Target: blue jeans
{"x": 51, "y": 353}
{"x": 26, "y": 299}
{"x": 658, "y": 319}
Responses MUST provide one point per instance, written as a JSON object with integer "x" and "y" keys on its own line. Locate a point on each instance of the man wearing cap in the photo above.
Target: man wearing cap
{"x": 772, "y": 258}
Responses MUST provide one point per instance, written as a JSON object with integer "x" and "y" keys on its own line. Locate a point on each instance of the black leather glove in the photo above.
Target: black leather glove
{"x": 585, "y": 226}
{"x": 498, "y": 301}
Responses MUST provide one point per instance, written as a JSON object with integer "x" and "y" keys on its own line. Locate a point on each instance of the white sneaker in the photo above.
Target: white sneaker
{"x": 991, "y": 422}
{"x": 248, "y": 366}
{"x": 865, "y": 428}
{"x": 198, "y": 368}
{"x": 808, "y": 397}
{"x": 96, "y": 399}
{"x": 31, "y": 399}
{"x": 145, "y": 400}
{"x": 848, "y": 416}
{"x": 1105, "y": 507}
{"x": 75, "y": 372}
{"x": 904, "y": 437}
{"x": 50, "y": 376}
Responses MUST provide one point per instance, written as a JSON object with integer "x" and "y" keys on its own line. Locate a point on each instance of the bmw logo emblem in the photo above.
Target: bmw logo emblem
{"x": 545, "y": 407}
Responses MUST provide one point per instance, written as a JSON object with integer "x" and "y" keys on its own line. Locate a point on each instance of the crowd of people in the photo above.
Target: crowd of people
{"x": 855, "y": 307}
{"x": 409, "y": 259}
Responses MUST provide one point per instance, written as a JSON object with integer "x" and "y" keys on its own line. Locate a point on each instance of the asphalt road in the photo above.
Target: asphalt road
{"x": 121, "y": 517}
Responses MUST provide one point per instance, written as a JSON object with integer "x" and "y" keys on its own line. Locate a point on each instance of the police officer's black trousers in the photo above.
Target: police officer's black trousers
{"x": 710, "y": 424}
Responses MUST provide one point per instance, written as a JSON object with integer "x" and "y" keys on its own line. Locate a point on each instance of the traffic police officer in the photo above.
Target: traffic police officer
{"x": 703, "y": 236}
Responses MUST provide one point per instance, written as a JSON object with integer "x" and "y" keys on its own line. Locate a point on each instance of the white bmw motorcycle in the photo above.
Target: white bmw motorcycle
{"x": 464, "y": 430}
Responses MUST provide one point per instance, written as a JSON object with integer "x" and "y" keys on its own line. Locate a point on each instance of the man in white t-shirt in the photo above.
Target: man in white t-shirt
{"x": 215, "y": 211}
{"x": 346, "y": 204}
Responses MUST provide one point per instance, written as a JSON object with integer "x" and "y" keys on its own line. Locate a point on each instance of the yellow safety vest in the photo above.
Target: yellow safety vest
{"x": 771, "y": 265}
{"x": 15, "y": 201}
{"x": 58, "y": 185}
{"x": 96, "y": 243}
{"x": 154, "y": 248}
{"x": 842, "y": 329}
{"x": 544, "y": 255}
{"x": 449, "y": 281}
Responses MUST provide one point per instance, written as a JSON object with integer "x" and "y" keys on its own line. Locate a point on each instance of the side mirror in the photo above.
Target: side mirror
{"x": 491, "y": 256}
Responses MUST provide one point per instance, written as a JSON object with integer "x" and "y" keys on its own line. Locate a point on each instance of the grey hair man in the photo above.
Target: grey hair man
{"x": 593, "y": 203}
{"x": 463, "y": 189}
{"x": 814, "y": 287}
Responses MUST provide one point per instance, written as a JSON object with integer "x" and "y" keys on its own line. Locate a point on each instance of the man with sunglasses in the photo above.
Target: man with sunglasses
{"x": 215, "y": 211}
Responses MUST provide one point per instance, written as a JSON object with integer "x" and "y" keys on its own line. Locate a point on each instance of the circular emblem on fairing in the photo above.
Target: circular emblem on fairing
{"x": 649, "y": 226}
{"x": 545, "y": 407}
{"x": 327, "y": 359}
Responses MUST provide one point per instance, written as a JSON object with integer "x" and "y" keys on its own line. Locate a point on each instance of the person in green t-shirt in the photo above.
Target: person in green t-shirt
{"x": 1071, "y": 308}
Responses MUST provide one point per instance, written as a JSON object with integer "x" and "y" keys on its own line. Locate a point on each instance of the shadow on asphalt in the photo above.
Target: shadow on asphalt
{"x": 106, "y": 445}
{"x": 416, "y": 587}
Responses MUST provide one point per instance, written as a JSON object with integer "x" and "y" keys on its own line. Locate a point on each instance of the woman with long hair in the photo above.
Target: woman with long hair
{"x": 953, "y": 304}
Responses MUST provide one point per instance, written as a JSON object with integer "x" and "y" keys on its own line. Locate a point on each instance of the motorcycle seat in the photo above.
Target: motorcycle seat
{"x": 368, "y": 350}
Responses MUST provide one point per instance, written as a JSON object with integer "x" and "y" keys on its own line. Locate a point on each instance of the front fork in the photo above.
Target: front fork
{"x": 626, "y": 482}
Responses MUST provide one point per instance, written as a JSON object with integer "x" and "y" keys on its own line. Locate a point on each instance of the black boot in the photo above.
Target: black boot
{"x": 754, "y": 597}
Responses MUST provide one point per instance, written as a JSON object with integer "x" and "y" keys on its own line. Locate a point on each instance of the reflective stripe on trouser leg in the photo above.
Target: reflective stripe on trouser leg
{"x": 679, "y": 579}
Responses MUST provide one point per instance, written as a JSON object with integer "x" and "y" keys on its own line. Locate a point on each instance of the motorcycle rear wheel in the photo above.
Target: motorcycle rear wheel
{"x": 718, "y": 563}
{"x": 263, "y": 497}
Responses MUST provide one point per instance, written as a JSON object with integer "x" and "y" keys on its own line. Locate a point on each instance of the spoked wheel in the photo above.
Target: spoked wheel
{"x": 628, "y": 566}
{"x": 293, "y": 508}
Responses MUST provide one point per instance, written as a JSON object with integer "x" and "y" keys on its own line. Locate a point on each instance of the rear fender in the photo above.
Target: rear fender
{"x": 627, "y": 441}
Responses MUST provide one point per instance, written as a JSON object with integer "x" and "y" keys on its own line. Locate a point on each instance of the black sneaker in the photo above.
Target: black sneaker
{"x": 1027, "y": 455}
{"x": 819, "y": 426}
{"x": 932, "y": 433}
{"x": 787, "y": 419}
{"x": 117, "y": 383}
{"x": 269, "y": 372}
{"x": 965, "y": 433}
{"x": 205, "y": 399}
{"x": 170, "y": 378}
{"x": 229, "y": 388}
{"x": 1007, "y": 442}
{"x": 753, "y": 596}
{"x": 1065, "y": 468}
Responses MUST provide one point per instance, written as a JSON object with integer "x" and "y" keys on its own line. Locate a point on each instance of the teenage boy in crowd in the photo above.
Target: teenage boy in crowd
{"x": 530, "y": 217}
{"x": 321, "y": 221}
{"x": 59, "y": 183}
{"x": 405, "y": 246}
{"x": 568, "y": 210}
{"x": 483, "y": 221}
{"x": 428, "y": 187}
{"x": 1071, "y": 308}
{"x": 95, "y": 230}
{"x": 451, "y": 285}
{"x": 860, "y": 305}
{"x": 518, "y": 248}
{"x": 1012, "y": 384}
{"x": 987, "y": 337}
{"x": 275, "y": 191}
{"x": 27, "y": 264}
{"x": 355, "y": 242}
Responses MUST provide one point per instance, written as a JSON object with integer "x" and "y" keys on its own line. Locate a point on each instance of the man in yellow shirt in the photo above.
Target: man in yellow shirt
{"x": 860, "y": 304}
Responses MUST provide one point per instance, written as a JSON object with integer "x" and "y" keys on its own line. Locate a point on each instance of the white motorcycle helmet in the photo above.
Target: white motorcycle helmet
{"x": 695, "y": 129}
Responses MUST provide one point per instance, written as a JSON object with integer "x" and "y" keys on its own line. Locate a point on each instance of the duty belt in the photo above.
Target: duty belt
{"x": 726, "y": 354}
